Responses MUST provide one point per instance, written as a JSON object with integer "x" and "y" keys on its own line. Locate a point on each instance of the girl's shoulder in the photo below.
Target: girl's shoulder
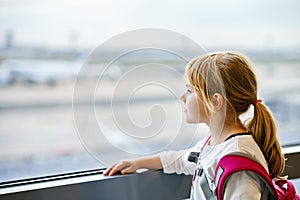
{"x": 235, "y": 144}
{"x": 248, "y": 146}
{"x": 242, "y": 144}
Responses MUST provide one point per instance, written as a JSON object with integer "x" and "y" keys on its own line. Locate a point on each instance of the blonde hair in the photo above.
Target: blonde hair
{"x": 231, "y": 75}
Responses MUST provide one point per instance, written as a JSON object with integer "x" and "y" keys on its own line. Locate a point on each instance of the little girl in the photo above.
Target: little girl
{"x": 221, "y": 87}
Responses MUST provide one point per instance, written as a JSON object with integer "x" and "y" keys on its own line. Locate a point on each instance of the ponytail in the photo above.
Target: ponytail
{"x": 263, "y": 128}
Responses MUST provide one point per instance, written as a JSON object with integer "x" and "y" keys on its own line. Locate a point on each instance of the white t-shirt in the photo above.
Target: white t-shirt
{"x": 241, "y": 185}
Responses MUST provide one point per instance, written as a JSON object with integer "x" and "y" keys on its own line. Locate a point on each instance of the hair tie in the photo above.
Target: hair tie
{"x": 256, "y": 101}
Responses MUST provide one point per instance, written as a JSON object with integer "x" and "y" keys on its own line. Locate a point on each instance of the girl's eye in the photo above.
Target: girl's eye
{"x": 189, "y": 91}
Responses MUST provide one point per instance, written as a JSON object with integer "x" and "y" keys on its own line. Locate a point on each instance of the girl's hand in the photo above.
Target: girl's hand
{"x": 130, "y": 166}
{"x": 123, "y": 166}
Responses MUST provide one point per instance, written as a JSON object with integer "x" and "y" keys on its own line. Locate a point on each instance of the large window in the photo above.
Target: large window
{"x": 69, "y": 102}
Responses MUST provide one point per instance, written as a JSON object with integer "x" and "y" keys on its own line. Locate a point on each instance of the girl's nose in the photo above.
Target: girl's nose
{"x": 183, "y": 98}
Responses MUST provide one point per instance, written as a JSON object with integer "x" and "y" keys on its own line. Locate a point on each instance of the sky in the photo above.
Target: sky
{"x": 61, "y": 23}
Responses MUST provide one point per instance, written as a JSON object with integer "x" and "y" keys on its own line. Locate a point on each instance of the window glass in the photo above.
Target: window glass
{"x": 70, "y": 103}
{"x": 278, "y": 82}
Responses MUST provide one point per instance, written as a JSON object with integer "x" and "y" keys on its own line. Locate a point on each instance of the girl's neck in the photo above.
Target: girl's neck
{"x": 218, "y": 135}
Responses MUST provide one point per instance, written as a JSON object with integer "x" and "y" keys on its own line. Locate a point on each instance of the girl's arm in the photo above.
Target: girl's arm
{"x": 245, "y": 185}
{"x": 130, "y": 166}
{"x": 170, "y": 161}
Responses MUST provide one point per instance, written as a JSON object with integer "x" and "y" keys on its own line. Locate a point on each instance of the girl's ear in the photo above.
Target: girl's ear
{"x": 218, "y": 101}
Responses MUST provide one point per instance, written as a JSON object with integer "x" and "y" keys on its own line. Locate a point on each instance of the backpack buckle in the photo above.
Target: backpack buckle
{"x": 193, "y": 157}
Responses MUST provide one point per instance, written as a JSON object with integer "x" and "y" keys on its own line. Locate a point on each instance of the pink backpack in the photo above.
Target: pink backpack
{"x": 229, "y": 164}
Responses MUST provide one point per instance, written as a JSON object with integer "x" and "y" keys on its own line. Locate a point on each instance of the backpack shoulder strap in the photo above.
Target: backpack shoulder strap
{"x": 232, "y": 163}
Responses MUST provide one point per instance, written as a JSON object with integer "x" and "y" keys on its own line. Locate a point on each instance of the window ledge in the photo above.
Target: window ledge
{"x": 145, "y": 185}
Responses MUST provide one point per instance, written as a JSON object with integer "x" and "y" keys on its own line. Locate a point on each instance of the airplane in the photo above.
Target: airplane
{"x": 35, "y": 71}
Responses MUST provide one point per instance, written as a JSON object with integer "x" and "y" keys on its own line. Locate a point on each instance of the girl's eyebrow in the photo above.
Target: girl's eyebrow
{"x": 188, "y": 86}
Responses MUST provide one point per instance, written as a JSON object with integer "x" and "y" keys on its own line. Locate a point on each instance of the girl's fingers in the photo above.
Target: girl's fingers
{"x": 127, "y": 170}
{"x": 107, "y": 171}
{"x": 116, "y": 168}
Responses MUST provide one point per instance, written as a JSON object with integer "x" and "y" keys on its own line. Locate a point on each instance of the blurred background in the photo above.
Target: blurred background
{"x": 45, "y": 43}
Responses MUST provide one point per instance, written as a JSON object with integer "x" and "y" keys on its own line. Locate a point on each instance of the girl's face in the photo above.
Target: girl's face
{"x": 193, "y": 106}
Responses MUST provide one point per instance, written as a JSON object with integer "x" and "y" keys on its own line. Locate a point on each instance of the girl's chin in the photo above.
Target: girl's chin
{"x": 190, "y": 121}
